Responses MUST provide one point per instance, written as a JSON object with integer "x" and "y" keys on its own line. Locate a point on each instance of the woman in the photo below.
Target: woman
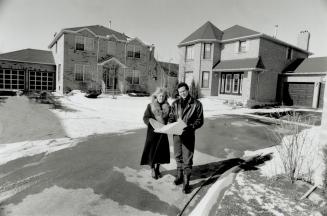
{"x": 156, "y": 149}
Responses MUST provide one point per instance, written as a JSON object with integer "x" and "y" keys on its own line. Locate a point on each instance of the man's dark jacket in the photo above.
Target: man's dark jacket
{"x": 192, "y": 114}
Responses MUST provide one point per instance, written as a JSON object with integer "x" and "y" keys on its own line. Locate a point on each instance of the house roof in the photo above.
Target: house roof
{"x": 239, "y": 64}
{"x": 98, "y": 30}
{"x": 170, "y": 68}
{"x": 237, "y": 31}
{"x": 309, "y": 65}
{"x": 208, "y": 31}
{"x": 30, "y": 56}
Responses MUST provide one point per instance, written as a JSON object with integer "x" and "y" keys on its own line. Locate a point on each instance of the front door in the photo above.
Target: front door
{"x": 110, "y": 78}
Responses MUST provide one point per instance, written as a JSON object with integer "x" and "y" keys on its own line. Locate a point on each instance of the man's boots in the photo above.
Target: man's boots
{"x": 186, "y": 184}
{"x": 179, "y": 178}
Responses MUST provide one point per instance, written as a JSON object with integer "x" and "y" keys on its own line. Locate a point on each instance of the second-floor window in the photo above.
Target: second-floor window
{"x": 189, "y": 55}
{"x": 242, "y": 46}
{"x": 207, "y": 51}
{"x": 82, "y": 72}
{"x": 84, "y": 43}
{"x": 133, "y": 51}
{"x": 205, "y": 79}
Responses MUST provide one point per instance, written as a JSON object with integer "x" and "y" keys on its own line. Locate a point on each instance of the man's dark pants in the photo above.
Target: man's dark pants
{"x": 184, "y": 151}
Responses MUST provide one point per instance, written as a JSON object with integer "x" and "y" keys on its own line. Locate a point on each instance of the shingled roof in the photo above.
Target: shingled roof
{"x": 309, "y": 65}
{"x": 237, "y": 31}
{"x": 239, "y": 64}
{"x": 208, "y": 31}
{"x": 101, "y": 31}
{"x": 29, "y": 55}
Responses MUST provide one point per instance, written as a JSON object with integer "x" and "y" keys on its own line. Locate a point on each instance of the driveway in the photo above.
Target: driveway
{"x": 102, "y": 176}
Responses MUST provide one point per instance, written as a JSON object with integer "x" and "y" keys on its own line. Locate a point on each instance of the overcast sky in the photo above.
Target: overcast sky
{"x": 165, "y": 23}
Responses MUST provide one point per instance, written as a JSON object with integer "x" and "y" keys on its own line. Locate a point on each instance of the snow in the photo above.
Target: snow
{"x": 311, "y": 155}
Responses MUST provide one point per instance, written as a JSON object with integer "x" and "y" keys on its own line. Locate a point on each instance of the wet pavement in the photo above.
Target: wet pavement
{"x": 102, "y": 175}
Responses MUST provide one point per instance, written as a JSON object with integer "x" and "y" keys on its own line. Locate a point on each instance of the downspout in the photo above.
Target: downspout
{"x": 96, "y": 86}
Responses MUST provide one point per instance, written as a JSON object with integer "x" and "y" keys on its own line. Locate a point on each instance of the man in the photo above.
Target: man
{"x": 191, "y": 112}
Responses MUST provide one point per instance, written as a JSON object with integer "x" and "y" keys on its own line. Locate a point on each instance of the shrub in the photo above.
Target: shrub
{"x": 195, "y": 90}
{"x": 294, "y": 149}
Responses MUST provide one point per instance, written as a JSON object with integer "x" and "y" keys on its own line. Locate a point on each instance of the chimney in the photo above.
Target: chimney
{"x": 276, "y": 31}
{"x": 303, "y": 40}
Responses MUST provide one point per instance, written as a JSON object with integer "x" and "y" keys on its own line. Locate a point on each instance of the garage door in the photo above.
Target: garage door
{"x": 41, "y": 81}
{"x": 12, "y": 79}
{"x": 321, "y": 95}
{"x": 298, "y": 94}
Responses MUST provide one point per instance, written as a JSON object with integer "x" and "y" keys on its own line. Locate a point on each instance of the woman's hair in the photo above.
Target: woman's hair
{"x": 159, "y": 91}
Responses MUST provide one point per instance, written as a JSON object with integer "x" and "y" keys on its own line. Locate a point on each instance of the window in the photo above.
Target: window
{"x": 242, "y": 46}
{"x": 189, "y": 52}
{"x": 79, "y": 43}
{"x": 228, "y": 83}
{"x": 137, "y": 52}
{"x": 84, "y": 43}
{"x": 207, "y": 51}
{"x": 205, "y": 79}
{"x": 188, "y": 77}
{"x": 111, "y": 48}
{"x": 231, "y": 83}
{"x": 289, "y": 53}
{"x": 133, "y": 77}
{"x": 236, "y": 84}
{"x": 133, "y": 51}
{"x": 83, "y": 72}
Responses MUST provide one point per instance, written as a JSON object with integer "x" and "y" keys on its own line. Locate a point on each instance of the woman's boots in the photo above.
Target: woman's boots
{"x": 155, "y": 171}
{"x": 186, "y": 184}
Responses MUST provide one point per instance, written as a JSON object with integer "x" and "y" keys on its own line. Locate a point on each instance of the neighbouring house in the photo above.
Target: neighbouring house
{"x": 94, "y": 56}
{"x": 237, "y": 64}
{"x": 169, "y": 74}
{"x": 303, "y": 82}
{"x": 27, "y": 70}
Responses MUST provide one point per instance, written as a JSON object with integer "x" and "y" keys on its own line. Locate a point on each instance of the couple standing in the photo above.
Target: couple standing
{"x": 156, "y": 149}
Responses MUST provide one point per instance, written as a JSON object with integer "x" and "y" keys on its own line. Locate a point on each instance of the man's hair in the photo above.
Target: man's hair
{"x": 182, "y": 84}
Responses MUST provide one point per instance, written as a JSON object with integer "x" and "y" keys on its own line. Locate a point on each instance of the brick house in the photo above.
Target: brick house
{"x": 27, "y": 70}
{"x": 237, "y": 64}
{"x": 99, "y": 57}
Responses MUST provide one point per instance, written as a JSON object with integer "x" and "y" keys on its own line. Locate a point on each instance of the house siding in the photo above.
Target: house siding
{"x": 274, "y": 59}
{"x": 230, "y": 50}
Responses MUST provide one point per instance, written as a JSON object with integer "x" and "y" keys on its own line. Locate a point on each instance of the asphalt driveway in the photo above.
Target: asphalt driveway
{"x": 102, "y": 175}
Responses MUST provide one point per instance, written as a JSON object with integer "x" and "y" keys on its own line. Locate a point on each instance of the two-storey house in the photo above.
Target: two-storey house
{"x": 237, "y": 64}
{"x": 99, "y": 57}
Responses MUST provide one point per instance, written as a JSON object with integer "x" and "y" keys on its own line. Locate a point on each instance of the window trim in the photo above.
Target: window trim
{"x": 240, "y": 46}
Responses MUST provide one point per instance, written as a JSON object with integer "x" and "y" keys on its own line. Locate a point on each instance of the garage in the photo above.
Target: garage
{"x": 12, "y": 79}
{"x": 41, "y": 81}
{"x": 298, "y": 94}
{"x": 27, "y": 70}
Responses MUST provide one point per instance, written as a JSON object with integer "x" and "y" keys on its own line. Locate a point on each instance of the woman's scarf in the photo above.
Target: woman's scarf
{"x": 160, "y": 111}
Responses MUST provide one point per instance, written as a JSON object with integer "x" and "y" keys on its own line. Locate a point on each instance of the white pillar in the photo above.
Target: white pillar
{"x": 316, "y": 95}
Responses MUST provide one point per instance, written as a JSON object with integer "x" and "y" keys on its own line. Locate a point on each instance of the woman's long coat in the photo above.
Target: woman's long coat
{"x": 156, "y": 148}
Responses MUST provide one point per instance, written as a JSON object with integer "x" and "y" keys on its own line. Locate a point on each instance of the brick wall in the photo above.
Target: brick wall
{"x": 273, "y": 56}
{"x": 230, "y": 50}
{"x": 146, "y": 64}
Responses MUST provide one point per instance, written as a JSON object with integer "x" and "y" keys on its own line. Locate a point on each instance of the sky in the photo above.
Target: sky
{"x": 164, "y": 23}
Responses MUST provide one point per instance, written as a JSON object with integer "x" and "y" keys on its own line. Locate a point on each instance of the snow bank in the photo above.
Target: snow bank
{"x": 311, "y": 153}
